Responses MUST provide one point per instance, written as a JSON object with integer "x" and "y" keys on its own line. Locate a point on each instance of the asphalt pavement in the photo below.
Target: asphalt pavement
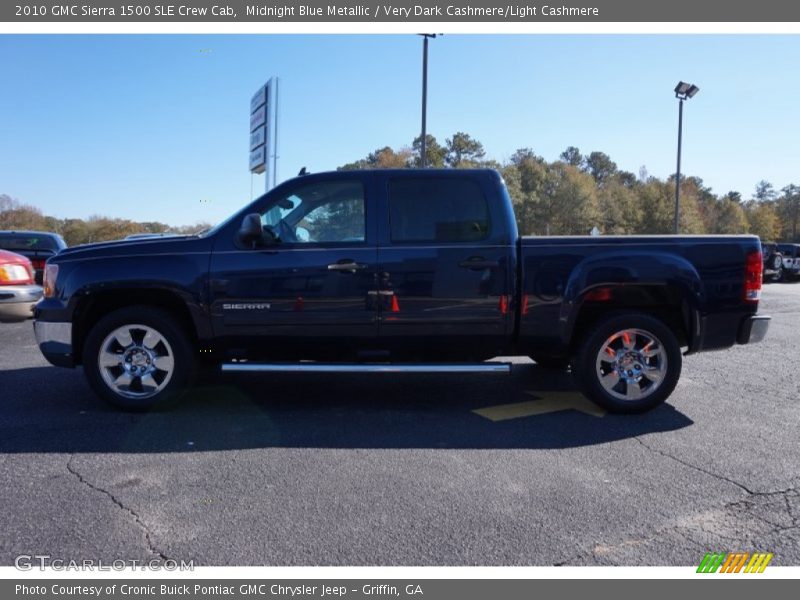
{"x": 386, "y": 469}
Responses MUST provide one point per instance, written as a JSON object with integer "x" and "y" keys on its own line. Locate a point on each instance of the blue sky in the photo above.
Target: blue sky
{"x": 155, "y": 127}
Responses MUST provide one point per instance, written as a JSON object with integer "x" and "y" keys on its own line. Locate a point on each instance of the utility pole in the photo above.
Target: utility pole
{"x": 424, "y": 153}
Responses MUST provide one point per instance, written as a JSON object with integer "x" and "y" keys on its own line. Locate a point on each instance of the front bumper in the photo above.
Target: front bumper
{"x": 753, "y": 329}
{"x": 17, "y": 301}
{"x": 55, "y": 342}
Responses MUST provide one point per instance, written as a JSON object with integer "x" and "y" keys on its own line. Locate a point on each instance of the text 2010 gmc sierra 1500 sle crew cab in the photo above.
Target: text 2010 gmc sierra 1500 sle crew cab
{"x": 395, "y": 270}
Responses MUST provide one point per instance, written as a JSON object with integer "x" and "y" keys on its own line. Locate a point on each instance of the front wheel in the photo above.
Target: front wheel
{"x": 138, "y": 357}
{"x": 628, "y": 363}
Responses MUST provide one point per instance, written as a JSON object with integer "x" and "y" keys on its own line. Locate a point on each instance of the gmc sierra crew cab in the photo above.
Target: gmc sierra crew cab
{"x": 395, "y": 270}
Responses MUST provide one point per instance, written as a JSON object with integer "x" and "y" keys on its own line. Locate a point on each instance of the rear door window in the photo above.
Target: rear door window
{"x": 431, "y": 209}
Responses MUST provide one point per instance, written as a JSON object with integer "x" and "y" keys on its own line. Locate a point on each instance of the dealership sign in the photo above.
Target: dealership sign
{"x": 258, "y": 137}
{"x": 263, "y": 131}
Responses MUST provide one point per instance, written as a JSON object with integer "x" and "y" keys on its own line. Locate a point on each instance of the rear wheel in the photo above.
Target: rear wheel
{"x": 628, "y": 363}
{"x": 138, "y": 357}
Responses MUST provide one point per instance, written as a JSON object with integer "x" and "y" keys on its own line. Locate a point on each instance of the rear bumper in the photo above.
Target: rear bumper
{"x": 17, "y": 301}
{"x": 753, "y": 329}
{"x": 55, "y": 342}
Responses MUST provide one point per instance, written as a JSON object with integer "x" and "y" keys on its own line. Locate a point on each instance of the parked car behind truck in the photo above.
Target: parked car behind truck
{"x": 773, "y": 261}
{"x": 791, "y": 261}
{"x": 18, "y": 292}
{"x": 396, "y": 270}
{"x": 36, "y": 246}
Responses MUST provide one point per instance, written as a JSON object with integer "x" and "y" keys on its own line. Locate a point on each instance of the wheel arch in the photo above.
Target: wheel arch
{"x": 663, "y": 285}
{"x": 92, "y": 307}
{"x": 667, "y": 303}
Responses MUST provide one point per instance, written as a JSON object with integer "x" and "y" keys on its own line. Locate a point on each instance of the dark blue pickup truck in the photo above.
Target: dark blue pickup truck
{"x": 396, "y": 270}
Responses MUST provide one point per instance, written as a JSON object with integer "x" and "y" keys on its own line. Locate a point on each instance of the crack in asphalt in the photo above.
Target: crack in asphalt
{"x": 697, "y": 468}
{"x": 745, "y": 505}
{"x": 136, "y": 517}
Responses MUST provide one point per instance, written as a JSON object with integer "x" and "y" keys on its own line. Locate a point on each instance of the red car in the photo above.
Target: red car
{"x": 18, "y": 291}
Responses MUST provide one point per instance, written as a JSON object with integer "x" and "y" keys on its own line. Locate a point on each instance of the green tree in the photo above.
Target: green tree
{"x": 568, "y": 205}
{"x": 789, "y": 211}
{"x": 434, "y": 151}
{"x": 733, "y": 196}
{"x": 619, "y": 208}
{"x": 572, "y": 156}
{"x": 600, "y": 166}
{"x": 763, "y": 220}
{"x": 75, "y": 232}
{"x": 22, "y": 216}
{"x": 528, "y": 172}
{"x": 658, "y": 205}
{"x": 463, "y": 151}
{"x": 382, "y": 158}
{"x": 765, "y": 191}
{"x": 729, "y": 217}
{"x": 657, "y": 199}
{"x": 627, "y": 179}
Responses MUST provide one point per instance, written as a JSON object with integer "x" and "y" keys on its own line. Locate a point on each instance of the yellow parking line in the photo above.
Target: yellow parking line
{"x": 548, "y": 402}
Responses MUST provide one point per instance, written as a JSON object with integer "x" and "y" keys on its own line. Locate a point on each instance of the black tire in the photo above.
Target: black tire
{"x": 664, "y": 366}
{"x": 554, "y": 363}
{"x": 166, "y": 385}
{"x": 777, "y": 267}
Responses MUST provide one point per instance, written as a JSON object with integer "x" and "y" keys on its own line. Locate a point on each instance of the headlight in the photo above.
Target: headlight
{"x": 49, "y": 283}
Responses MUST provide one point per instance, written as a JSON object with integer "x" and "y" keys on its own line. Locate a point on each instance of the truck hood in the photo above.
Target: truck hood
{"x": 141, "y": 247}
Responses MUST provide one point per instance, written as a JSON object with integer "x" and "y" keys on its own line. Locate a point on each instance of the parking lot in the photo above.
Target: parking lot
{"x": 401, "y": 470}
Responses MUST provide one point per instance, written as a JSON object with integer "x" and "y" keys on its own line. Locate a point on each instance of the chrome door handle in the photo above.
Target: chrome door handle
{"x": 348, "y": 267}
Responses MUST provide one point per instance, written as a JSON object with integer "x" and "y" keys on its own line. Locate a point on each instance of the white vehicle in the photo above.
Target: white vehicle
{"x": 791, "y": 260}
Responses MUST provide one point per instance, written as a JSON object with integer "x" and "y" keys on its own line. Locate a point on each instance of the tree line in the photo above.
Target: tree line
{"x": 568, "y": 196}
{"x": 15, "y": 215}
{"x": 577, "y": 192}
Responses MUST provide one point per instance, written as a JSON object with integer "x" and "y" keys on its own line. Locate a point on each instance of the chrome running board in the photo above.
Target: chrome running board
{"x": 314, "y": 367}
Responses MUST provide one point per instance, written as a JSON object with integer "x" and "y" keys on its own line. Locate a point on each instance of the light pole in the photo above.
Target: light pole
{"x": 683, "y": 91}
{"x": 425, "y": 37}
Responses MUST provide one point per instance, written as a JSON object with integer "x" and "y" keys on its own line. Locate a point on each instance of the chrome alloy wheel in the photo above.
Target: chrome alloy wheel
{"x": 136, "y": 361}
{"x": 631, "y": 364}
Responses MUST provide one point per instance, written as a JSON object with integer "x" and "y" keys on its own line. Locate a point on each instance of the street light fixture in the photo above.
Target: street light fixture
{"x": 683, "y": 91}
{"x": 425, "y": 38}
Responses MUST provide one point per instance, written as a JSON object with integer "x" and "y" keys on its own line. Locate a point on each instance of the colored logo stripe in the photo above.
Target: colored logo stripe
{"x": 758, "y": 563}
{"x": 734, "y": 562}
{"x": 711, "y": 562}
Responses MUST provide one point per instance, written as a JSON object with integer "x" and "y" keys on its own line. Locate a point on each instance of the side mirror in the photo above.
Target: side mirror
{"x": 250, "y": 232}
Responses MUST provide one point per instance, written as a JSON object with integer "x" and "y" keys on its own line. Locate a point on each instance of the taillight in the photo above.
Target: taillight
{"x": 38, "y": 263}
{"x": 753, "y": 273}
{"x": 49, "y": 283}
{"x": 15, "y": 274}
